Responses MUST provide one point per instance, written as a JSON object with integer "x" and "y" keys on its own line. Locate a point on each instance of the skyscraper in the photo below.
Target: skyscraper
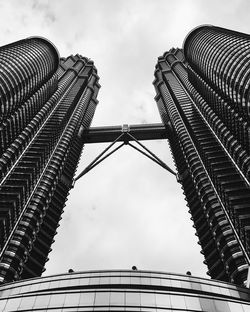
{"x": 46, "y": 102}
{"x": 203, "y": 99}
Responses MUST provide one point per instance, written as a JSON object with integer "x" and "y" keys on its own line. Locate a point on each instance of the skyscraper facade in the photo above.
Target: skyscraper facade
{"x": 46, "y": 102}
{"x": 203, "y": 98}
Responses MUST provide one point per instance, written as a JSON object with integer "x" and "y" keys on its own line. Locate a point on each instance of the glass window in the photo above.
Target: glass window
{"x": 57, "y": 300}
{"x": 133, "y": 298}
{"x": 125, "y": 280}
{"x": 54, "y": 284}
{"x": 2, "y": 304}
{"x": 13, "y": 304}
{"x": 102, "y": 298}
{"x": 145, "y": 280}
{"x": 165, "y": 282}
{"x": 117, "y": 298}
{"x": 225, "y": 291}
{"x": 64, "y": 283}
{"x": 105, "y": 280}
{"x": 196, "y": 286}
{"x": 193, "y": 303}
{"x": 87, "y": 298}
{"x": 115, "y": 279}
{"x": 27, "y": 302}
{"x": 221, "y": 306}
{"x": 246, "y": 307}
{"x": 176, "y": 283}
{"x": 72, "y": 299}
{"x": 177, "y": 302}
{"x": 94, "y": 281}
{"x": 163, "y": 300}
{"x": 234, "y": 293}
{"x": 135, "y": 280}
{"x": 148, "y": 299}
{"x": 42, "y": 301}
{"x": 42, "y": 286}
{"x": 207, "y": 305}
{"x": 235, "y": 307}
{"x": 155, "y": 281}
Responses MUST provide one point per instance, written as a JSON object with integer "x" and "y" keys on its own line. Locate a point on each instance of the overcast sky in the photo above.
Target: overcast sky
{"x": 128, "y": 210}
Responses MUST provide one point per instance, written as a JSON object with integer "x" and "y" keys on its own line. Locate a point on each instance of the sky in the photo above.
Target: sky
{"x": 128, "y": 210}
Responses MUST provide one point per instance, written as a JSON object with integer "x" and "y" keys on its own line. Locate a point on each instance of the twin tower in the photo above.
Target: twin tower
{"x": 47, "y": 103}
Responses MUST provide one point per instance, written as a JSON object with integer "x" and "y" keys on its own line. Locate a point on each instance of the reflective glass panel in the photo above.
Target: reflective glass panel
{"x": 221, "y": 306}
{"x": 176, "y": 283}
{"x": 163, "y": 300}
{"x": 246, "y": 307}
{"x": 148, "y": 299}
{"x": 178, "y": 302}
{"x": 225, "y": 291}
{"x": 87, "y": 298}
{"x": 125, "y": 280}
{"x": 57, "y": 300}
{"x": 13, "y": 304}
{"x": 235, "y": 307}
{"x": 2, "y": 304}
{"x": 102, "y": 298}
{"x": 117, "y": 298}
{"x": 27, "y": 302}
{"x": 42, "y": 301}
{"x": 165, "y": 282}
{"x": 72, "y": 299}
{"x": 115, "y": 279}
{"x": 94, "y": 281}
{"x": 207, "y": 305}
{"x": 105, "y": 280}
{"x": 133, "y": 298}
{"x": 193, "y": 303}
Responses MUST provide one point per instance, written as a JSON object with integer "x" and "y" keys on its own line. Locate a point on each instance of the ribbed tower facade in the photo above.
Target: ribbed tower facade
{"x": 203, "y": 98}
{"x": 46, "y": 103}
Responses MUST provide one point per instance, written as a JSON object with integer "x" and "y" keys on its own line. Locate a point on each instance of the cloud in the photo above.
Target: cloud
{"x": 141, "y": 217}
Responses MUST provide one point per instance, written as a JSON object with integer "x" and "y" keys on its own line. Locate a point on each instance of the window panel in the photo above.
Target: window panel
{"x": 235, "y": 307}
{"x": 42, "y": 301}
{"x": 117, "y": 298}
{"x": 115, "y": 279}
{"x": 148, "y": 299}
{"x": 163, "y": 300}
{"x": 207, "y": 305}
{"x": 13, "y": 304}
{"x": 221, "y": 306}
{"x": 102, "y": 298}
{"x": 178, "y": 302}
{"x": 87, "y": 298}
{"x": 2, "y": 304}
{"x": 165, "y": 282}
{"x": 72, "y": 299}
{"x": 57, "y": 300}
{"x": 246, "y": 307}
{"x": 125, "y": 280}
{"x": 27, "y": 302}
{"x": 133, "y": 298}
{"x": 193, "y": 303}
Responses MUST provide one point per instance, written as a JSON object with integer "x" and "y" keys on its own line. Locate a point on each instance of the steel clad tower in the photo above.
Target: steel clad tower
{"x": 203, "y": 98}
{"x": 46, "y": 102}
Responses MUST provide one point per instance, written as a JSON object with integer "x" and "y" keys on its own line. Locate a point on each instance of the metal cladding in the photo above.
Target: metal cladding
{"x": 203, "y": 99}
{"x": 46, "y": 104}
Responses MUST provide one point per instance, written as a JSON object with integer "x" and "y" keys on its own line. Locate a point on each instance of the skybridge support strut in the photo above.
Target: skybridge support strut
{"x": 124, "y": 134}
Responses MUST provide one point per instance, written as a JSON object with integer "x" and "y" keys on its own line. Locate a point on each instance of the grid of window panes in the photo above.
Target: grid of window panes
{"x": 123, "y": 290}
